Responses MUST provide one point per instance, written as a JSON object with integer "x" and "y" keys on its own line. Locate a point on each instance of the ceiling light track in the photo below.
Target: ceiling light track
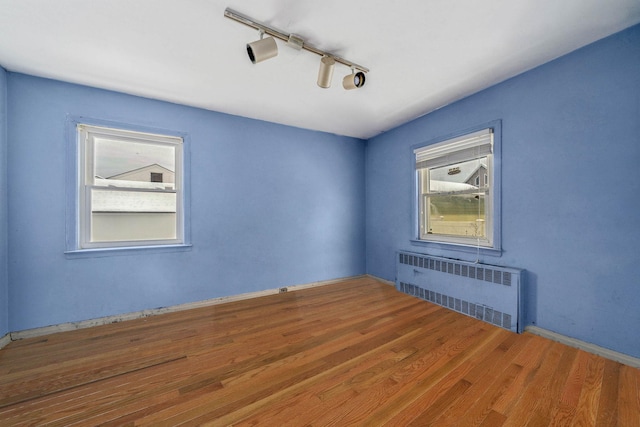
{"x": 257, "y": 54}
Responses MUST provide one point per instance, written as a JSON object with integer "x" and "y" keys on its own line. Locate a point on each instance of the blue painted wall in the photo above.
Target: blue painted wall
{"x": 4, "y": 247}
{"x": 570, "y": 186}
{"x": 271, "y": 206}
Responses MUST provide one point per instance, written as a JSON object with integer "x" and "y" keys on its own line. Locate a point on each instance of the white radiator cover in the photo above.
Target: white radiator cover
{"x": 486, "y": 292}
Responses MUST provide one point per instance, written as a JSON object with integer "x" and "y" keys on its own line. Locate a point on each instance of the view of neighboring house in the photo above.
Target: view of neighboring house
{"x": 473, "y": 173}
{"x": 479, "y": 176}
{"x": 151, "y": 173}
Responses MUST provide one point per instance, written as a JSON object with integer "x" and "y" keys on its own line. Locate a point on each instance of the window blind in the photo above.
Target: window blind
{"x": 455, "y": 150}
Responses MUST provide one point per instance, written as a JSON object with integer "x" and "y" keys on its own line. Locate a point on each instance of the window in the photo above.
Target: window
{"x": 455, "y": 190}
{"x": 129, "y": 188}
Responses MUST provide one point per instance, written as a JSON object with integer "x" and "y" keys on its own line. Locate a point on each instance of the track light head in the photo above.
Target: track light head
{"x": 266, "y": 48}
{"x": 353, "y": 80}
{"x": 263, "y": 49}
{"x": 325, "y": 73}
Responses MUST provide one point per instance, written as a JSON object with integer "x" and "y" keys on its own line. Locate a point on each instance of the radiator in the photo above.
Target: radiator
{"x": 485, "y": 292}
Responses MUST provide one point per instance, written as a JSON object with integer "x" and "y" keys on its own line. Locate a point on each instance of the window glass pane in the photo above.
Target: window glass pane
{"x": 450, "y": 214}
{"x": 131, "y": 226}
{"x": 132, "y": 215}
{"x": 457, "y": 215}
{"x": 121, "y": 163}
{"x": 457, "y": 177}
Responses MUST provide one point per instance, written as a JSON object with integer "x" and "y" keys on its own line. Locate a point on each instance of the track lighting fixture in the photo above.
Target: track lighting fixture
{"x": 266, "y": 48}
{"x": 353, "y": 80}
{"x": 325, "y": 73}
{"x": 262, "y": 49}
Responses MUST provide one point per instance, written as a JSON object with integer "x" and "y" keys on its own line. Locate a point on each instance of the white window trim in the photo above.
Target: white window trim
{"x": 85, "y": 145}
{"x": 438, "y": 148}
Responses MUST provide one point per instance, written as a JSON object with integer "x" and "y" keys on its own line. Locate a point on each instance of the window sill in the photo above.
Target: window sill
{"x": 129, "y": 250}
{"x": 456, "y": 247}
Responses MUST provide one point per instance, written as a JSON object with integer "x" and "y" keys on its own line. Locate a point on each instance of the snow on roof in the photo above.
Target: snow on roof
{"x": 121, "y": 183}
{"x": 467, "y": 169}
{"x": 443, "y": 186}
{"x": 129, "y": 201}
{"x": 105, "y": 200}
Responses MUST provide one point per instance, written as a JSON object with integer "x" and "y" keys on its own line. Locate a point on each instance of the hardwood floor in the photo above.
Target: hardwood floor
{"x": 352, "y": 353}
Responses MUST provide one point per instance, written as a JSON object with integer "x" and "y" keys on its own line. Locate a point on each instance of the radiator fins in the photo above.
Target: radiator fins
{"x": 480, "y": 312}
{"x": 480, "y": 273}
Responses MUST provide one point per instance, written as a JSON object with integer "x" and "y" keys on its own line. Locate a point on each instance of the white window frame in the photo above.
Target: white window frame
{"x": 86, "y": 135}
{"x": 464, "y": 147}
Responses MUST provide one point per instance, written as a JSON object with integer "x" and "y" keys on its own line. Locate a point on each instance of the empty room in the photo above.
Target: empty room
{"x": 296, "y": 213}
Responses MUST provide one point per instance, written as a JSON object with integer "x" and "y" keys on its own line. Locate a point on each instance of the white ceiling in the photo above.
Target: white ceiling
{"x": 423, "y": 54}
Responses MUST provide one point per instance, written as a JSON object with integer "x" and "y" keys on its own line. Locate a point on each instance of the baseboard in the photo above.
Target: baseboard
{"x": 386, "y": 282}
{"x": 588, "y": 347}
{"x": 70, "y": 326}
{"x": 5, "y": 340}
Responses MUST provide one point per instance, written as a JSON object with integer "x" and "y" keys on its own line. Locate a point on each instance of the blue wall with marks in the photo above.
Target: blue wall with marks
{"x": 4, "y": 219}
{"x": 570, "y": 185}
{"x": 271, "y": 206}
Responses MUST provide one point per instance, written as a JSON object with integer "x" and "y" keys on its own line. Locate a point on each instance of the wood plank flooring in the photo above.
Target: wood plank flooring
{"x": 353, "y": 353}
